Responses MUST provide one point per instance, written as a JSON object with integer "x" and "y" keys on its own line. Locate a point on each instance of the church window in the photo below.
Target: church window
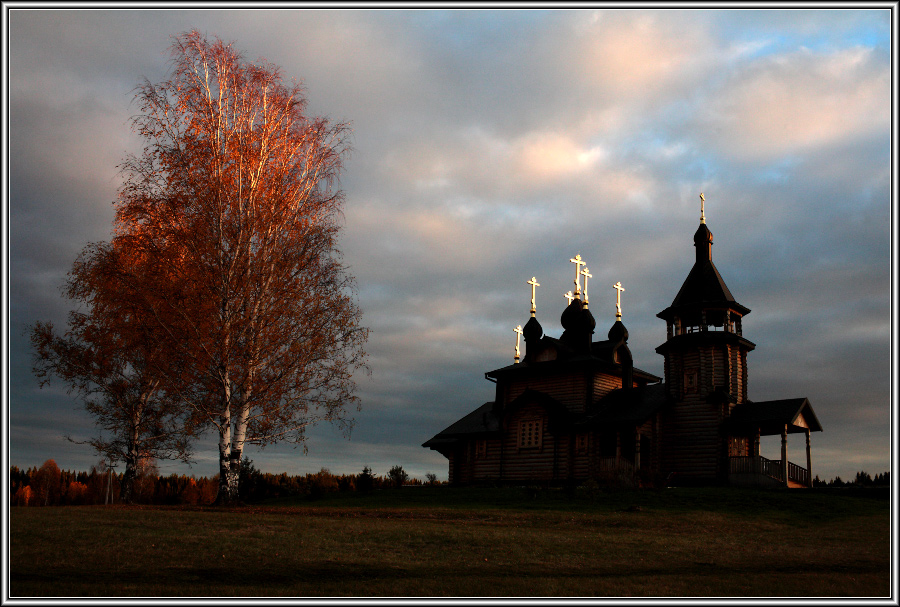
{"x": 690, "y": 380}
{"x": 530, "y": 433}
{"x": 581, "y": 443}
{"x": 738, "y": 446}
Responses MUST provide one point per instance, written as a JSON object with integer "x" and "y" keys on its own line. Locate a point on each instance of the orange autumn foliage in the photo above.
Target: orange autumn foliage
{"x": 230, "y": 221}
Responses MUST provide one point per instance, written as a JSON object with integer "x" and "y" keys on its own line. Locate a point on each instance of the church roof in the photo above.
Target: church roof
{"x": 628, "y": 406}
{"x": 600, "y": 358}
{"x": 771, "y": 416}
{"x": 480, "y": 421}
{"x": 704, "y": 286}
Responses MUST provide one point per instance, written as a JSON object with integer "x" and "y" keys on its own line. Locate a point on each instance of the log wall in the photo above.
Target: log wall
{"x": 568, "y": 389}
{"x": 692, "y": 443}
{"x": 539, "y": 464}
{"x": 604, "y": 383}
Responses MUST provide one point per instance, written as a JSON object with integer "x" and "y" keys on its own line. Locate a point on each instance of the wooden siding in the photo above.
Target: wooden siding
{"x": 604, "y": 383}
{"x": 576, "y": 390}
{"x": 538, "y": 464}
{"x": 580, "y": 461}
{"x": 738, "y": 374}
{"x": 558, "y": 458}
{"x": 692, "y": 360}
{"x": 723, "y": 365}
{"x": 487, "y": 466}
{"x": 692, "y": 446}
{"x": 569, "y": 389}
{"x": 692, "y": 443}
{"x": 452, "y": 475}
{"x": 743, "y": 375}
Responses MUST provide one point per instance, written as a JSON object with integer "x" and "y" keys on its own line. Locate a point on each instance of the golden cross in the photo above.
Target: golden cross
{"x": 569, "y": 296}
{"x": 534, "y": 283}
{"x": 578, "y": 263}
{"x": 518, "y": 331}
{"x": 619, "y": 288}
{"x": 586, "y": 273}
{"x": 702, "y": 200}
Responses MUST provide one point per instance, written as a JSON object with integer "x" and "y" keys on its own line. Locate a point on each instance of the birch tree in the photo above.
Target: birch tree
{"x": 236, "y": 199}
{"x": 111, "y": 358}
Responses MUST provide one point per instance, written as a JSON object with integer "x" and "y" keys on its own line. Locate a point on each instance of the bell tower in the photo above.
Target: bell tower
{"x": 705, "y": 360}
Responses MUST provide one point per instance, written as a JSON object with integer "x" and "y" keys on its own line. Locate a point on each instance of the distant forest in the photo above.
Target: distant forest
{"x": 50, "y": 486}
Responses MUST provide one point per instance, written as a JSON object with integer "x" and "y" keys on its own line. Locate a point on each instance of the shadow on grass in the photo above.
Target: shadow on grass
{"x": 330, "y": 575}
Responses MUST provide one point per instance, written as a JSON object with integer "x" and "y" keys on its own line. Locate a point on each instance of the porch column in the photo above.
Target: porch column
{"x": 637, "y": 450}
{"x": 754, "y": 461}
{"x": 808, "y": 461}
{"x": 618, "y": 448}
{"x": 784, "y": 456}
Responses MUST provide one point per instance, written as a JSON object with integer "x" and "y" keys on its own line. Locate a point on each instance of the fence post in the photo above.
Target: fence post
{"x": 808, "y": 462}
{"x": 784, "y": 456}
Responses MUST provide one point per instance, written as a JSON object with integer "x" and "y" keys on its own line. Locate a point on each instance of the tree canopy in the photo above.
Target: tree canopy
{"x": 111, "y": 356}
{"x": 226, "y": 241}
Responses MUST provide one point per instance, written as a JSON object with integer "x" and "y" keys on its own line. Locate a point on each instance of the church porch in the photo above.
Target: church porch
{"x": 748, "y": 422}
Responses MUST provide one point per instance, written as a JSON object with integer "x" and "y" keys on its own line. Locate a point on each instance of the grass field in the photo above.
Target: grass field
{"x": 448, "y": 542}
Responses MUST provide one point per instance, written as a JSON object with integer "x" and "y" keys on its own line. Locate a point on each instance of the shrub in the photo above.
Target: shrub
{"x": 365, "y": 482}
{"x": 322, "y": 482}
{"x": 397, "y": 475}
{"x": 23, "y": 496}
{"x": 46, "y": 484}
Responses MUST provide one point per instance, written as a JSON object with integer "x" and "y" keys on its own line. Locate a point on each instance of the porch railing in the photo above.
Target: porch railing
{"x": 768, "y": 467}
{"x": 611, "y": 464}
{"x": 798, "y": 474}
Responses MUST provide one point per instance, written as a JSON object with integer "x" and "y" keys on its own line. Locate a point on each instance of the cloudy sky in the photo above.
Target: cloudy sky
{"x": 490, "y": 147}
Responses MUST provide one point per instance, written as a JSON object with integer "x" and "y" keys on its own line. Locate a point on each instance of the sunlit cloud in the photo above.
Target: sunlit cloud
{"x": 549, "y": 157}
{"x": 639, "y": 55}
{"x": 794, "y": 103}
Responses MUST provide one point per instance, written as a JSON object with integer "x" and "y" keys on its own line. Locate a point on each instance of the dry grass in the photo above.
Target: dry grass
{"x": 443, "y": 542}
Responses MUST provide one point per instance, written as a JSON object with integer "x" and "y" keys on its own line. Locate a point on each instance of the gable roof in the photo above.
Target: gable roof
{"x": 557, "y": 413}
{"x": 771, "y": 416}
{"x": 628, "y": 406}
{"x": 480, "y": 421}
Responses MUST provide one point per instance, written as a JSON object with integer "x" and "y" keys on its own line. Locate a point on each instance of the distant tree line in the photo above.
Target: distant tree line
{"x": 863, "y": 479}
{"x": 50, "y": 486}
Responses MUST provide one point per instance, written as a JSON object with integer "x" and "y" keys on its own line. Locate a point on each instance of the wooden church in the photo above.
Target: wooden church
{"x": 575, "y": 409}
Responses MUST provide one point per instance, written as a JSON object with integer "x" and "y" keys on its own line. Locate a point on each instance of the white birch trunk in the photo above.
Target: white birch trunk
{"x": 227, "y": 476}
{"x": 237, "y": 445}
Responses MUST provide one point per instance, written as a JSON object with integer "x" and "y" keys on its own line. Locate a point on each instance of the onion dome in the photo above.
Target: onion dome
{"x": 532, "y": 331}
{"x": 703, "y": 240}
{"x": 578, "y": 324}
{"x": 571, "y": 316}
{"x": 587, "y": 319}
{"x": 618, "y": 333}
